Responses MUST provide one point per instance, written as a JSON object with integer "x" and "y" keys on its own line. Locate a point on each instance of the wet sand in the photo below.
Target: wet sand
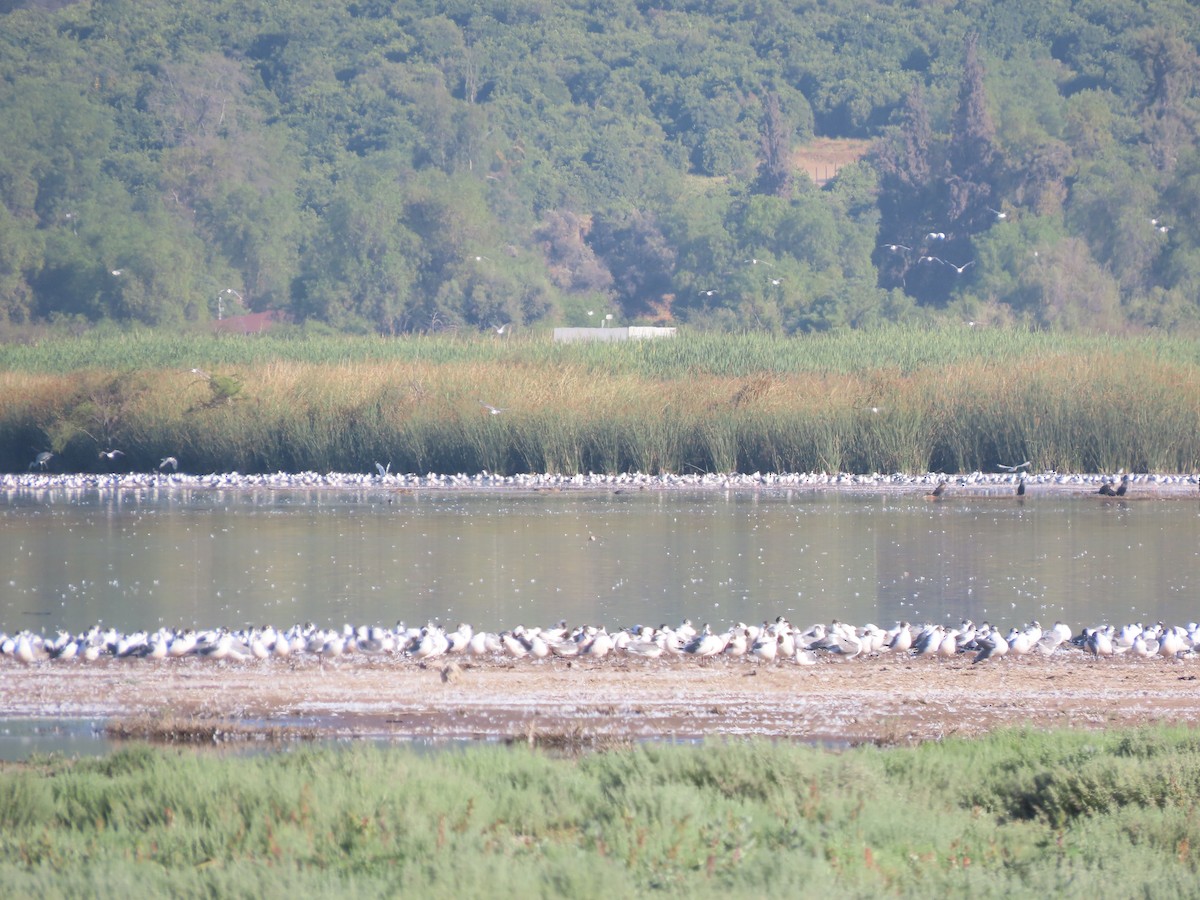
{"x": 884, "y": 700}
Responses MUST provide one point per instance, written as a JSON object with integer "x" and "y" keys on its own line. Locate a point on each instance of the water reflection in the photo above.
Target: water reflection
{"x": 206, "y": 557}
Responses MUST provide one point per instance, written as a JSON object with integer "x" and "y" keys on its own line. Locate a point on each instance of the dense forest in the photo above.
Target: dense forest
{"x": 434, "y": 164}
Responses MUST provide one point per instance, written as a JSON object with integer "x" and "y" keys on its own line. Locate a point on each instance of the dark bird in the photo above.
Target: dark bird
{"x": 1021, "y": 487}
{"x": 1107, "y": 490}
{"x": 937, "y": 492}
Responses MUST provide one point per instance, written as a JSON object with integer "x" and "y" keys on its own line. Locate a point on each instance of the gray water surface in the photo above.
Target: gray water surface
{"x": 134, "y": 560}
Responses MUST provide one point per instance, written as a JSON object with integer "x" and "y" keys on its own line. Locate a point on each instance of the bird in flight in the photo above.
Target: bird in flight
{"x": 758, "y": 262}
{"x": 708, "y": 293}
{"x": 958, "y": 269}
{"x": 494, "y": 410}
{"x": 1003, "y": 468}
{"x": 111, "y": 454}
{"x": 169, "y": 462}
{"x": 895, "y": 248}
{"x": 383, "y": 470}
{"x": 500, "y": 329}
{"x": 997, "y": 213}
{"x": 936, "y": 236}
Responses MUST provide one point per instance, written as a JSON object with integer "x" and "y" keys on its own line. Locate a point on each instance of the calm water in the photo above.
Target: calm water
{"x": 203, "y": 557}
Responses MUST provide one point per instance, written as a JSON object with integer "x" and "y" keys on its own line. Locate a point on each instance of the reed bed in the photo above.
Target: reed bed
{"x": 861, "y": 402}
{"x": 1016, "y": 813}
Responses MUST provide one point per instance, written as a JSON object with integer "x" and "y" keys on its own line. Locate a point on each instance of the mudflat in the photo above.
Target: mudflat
{"x": 886, "y": 699}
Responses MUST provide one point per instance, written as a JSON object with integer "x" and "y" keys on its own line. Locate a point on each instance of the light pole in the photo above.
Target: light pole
{"x": 221, "y": 301}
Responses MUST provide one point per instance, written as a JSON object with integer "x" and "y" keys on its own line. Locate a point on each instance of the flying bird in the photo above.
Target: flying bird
{"x": 169, "y": 462}
{"x": 708, "y": 293}
{"x": 895, "y": 248}
{"x": 1003, "y": 468}
{"x": 494, "y": 410}
{"x": 936, "y": 236}
{"x": 500, "y": 329}
{"x": 958, "y": 269}
{"x": 997, "y": 213}
{"x": 383, "y": 470}
{"x": 758, "y": 262}
{"x": 111, "y": 454}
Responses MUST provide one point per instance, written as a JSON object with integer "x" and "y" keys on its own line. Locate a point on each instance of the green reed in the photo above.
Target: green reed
{"x": 1017, "y": 813}
{"x": 871, "y": 402}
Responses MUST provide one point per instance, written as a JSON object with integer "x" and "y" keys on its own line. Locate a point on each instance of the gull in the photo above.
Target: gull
{"x": 494, "y": 410}
{"x": 169, "y": 462}
{"x": 201, "y": 373}
{"x": 895, "y": 248}
{"x": 708, "y": 293}
{"x": 997, "y": 213}
{"x": 958, "y": 269}
{"x": 116, "y": 273}
{"x": 383, "y": 470}
{"x": 500, "y": 329}
{"x": 111, "y": 454}
{"x": 936, "y": 236}
{"x": 758, "y": 262}
{"x": 1003, "y": 468}
{"x": 928, "y": 259}
{"x": 776, "y": 281}
{"x": 481, "y": 258}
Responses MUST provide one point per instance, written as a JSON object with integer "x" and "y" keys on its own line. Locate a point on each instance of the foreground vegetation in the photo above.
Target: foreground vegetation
{"x": 1025, "y": 813}
{"x": 890, "y": 400}
{"x": 414, "y": 165}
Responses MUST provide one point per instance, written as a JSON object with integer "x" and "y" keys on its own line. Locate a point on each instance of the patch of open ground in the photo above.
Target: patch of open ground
{"x": 884, "y": 700}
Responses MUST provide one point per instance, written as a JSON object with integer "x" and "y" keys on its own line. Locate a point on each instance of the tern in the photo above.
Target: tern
{"x": 1003, "y": 468}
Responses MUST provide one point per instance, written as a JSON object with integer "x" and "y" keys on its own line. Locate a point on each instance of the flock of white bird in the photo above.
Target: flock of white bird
{"x": 774, "y": 642}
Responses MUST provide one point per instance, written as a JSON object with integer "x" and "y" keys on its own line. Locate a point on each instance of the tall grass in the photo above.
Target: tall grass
{"x": 1017, "y": 813}
{"x": 864, "y": 402}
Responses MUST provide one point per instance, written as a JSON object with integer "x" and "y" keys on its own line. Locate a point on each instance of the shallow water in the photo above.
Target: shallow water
{"x": 497, "y": 559}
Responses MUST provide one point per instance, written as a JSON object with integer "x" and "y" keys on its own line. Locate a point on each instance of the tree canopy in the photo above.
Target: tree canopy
{"x": 430, "y": 164}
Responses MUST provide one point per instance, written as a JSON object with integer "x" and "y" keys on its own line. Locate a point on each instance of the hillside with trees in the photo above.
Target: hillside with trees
{"x": 429, "y": 164}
